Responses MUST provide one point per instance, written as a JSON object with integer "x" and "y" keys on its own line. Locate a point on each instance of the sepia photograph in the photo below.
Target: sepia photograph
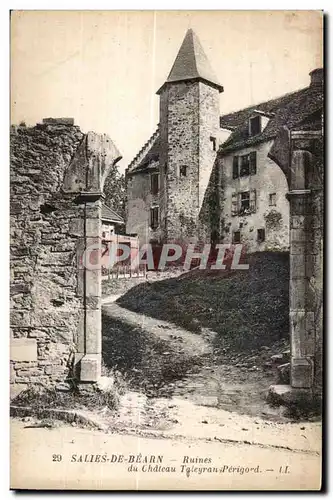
{"x": 166, "y": 250}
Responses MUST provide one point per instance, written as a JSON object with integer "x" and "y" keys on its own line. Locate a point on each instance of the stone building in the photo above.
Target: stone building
{"x": 112, "y": 223}
{"x": 207, "y": 177}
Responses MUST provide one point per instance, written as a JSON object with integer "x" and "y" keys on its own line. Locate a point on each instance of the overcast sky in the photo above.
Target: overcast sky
{"x": 104, "y": 68}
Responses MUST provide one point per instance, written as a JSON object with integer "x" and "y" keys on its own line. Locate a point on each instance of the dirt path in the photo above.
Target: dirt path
{"x": 191, "y": 343}
{"x": 200, "y": 375}
{"x": 178, "y": 418}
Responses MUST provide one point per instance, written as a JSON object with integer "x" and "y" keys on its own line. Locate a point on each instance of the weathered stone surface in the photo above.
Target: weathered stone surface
{"x": 58, "y": 121}
{"x": 287, "y": 395}
{"x": 93, "y": 331}
{"x": 105, "y": 384}
{"x": 90, "y": 368}
{"x": 48, "y": 237}
{"x": 284, "y": 373}
{"x": 23, "y": 350}
{"x": 302, "y": 373}
{"x": 277, "y": 358}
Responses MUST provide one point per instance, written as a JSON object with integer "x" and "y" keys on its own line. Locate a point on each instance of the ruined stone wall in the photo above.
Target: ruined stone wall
{"x": 46, "y": 305}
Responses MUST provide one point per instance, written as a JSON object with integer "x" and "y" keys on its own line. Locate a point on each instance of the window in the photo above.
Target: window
{"x": 236, "y": 237}
{"x": 253, "y": 162}
{"x": 213, "y": 141}
{"x": 182, "y": 171}
{"x": 154, "y": 183}
{"x": 253, "y": 201}
{"x": 234, "y": 204}
{"x": 255, "y": 125}
{"x": 248, "y": 165}
{"x": 154, "y": 217}
{"x": 244, "y": 205}
{"x": 245, "y": 165}
{"x": 235, "y": 172}
{"x": 272, "y": 200}
{"x": 261, "y": 235}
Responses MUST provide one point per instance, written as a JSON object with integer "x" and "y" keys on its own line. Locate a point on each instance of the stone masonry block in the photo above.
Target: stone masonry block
{"x": 93, "y": 331}
{"x": 297, "y": 265}
{"x": 90, "y": 368}
{"x": 302, "y": 333}
{"x": 76, "y": 227}
{"x": 93, "y": 283}
{"x": 23, "y": 349}
{"x": 93, "y": 227}
{"x": 297, "y": 221}
{"x": 297, "y": 293}
{"x": 301, "y": 373}
{"x": 298, "y": 235}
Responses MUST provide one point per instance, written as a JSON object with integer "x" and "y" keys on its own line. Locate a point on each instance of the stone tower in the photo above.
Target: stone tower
{"x": 189, "y": 125}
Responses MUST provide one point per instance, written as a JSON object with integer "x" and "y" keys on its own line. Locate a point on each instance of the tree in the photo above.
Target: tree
{"x": 115, "y": 191}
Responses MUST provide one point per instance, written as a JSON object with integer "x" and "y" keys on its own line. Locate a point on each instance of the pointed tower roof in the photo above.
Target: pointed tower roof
{"x": 192, "y": 63}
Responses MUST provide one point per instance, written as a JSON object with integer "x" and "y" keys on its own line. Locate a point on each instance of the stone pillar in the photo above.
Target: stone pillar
{"x": 299, "y": 154}
{"x": 301, "y": 309}
{"x": 85, "y": 177}
{"x": 90, "y": 368}
{"x": 302, "y": 263}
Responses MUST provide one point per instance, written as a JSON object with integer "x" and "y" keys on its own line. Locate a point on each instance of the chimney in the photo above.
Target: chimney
{"x": 317, "y": 77}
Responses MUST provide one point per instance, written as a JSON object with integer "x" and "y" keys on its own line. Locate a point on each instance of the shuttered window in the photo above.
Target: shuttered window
{"x": 245, "y": 165}
{"x": 253, "y": 200}
{"x": 234, "y": 204}
{"x": 253, "y": 163}
{"x": 235, "y": 169}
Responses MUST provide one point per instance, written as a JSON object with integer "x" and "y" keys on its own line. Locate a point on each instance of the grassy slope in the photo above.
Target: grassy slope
{"x": 247, "y": 309}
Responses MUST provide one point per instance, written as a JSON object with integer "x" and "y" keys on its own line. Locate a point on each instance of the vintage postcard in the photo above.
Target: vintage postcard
{"x": 167, "y": 184}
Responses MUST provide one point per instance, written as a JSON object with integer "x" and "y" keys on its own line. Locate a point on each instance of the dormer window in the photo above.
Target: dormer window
{"x": 255, "y": 125}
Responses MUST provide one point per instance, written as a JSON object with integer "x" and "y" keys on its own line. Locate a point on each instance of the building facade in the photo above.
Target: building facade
{"x": 112, "y": 223}
{"x": 208, "y": 178}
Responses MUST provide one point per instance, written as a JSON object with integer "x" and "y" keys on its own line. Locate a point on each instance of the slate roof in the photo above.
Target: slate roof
{"x": 291, "y": 109}
{"x": 146, "y": 162}
{"x": 110, "y": 215}
{"x": 192, "y": 63}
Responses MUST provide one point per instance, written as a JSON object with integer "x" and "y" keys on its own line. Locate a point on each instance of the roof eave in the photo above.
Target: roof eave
{"x": 196, "y": 78}
{"x": 107, "y": 219}
{"x": 238, "y": 147}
